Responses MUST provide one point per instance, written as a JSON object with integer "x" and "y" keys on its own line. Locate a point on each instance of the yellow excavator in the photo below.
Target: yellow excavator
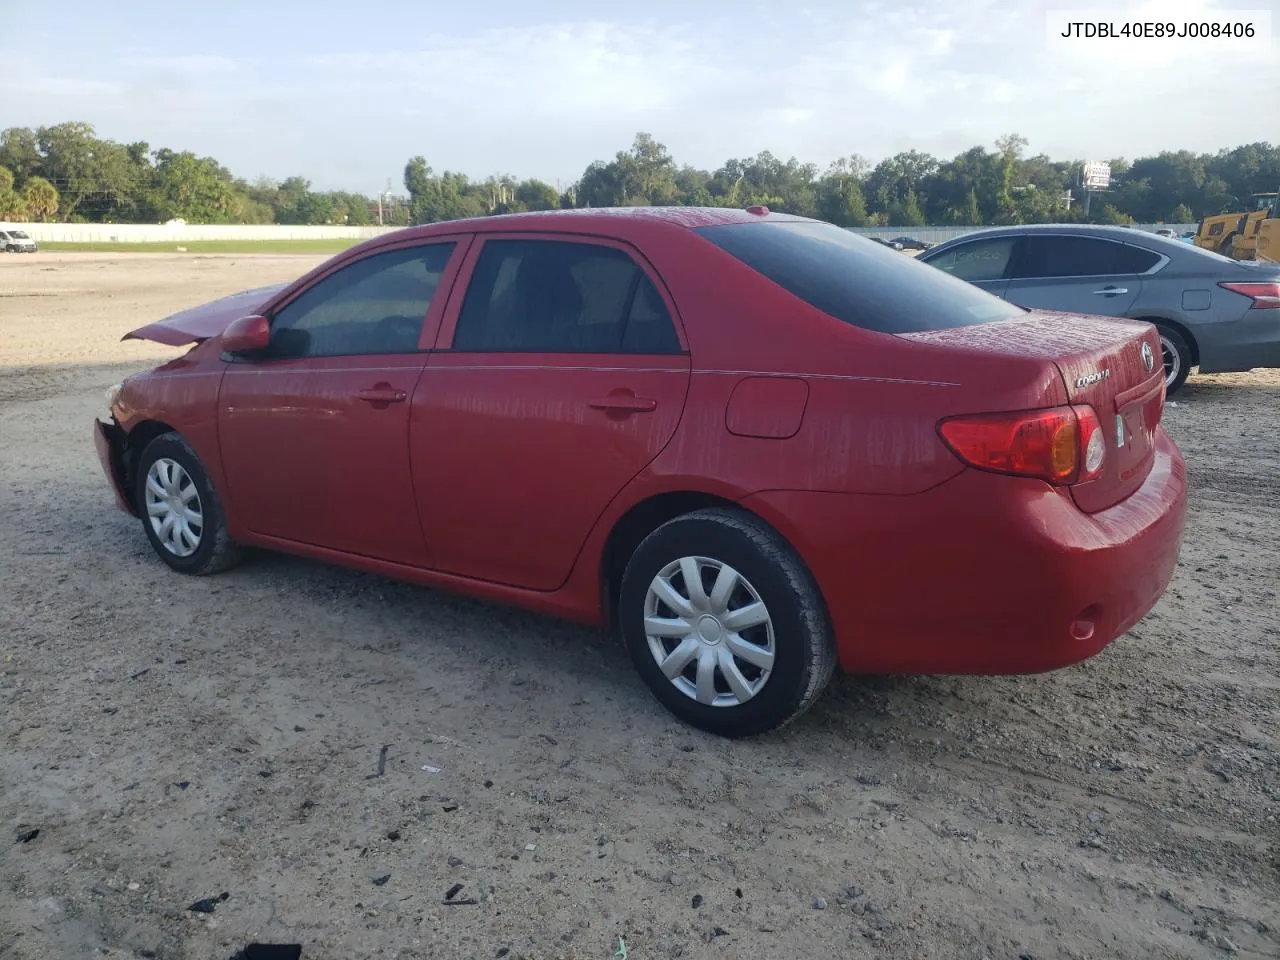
{"x": 1252, "y": 235}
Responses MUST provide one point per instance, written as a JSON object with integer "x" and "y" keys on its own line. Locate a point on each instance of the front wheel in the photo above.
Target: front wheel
{"x": 180, "y": 509}
{"x": 725, "y": 624}
{"x": 1176, "y": 353}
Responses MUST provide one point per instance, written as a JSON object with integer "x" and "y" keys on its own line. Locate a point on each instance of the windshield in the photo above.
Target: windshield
{"x": 851, "y": 278}
{"x": 18, "y": 235}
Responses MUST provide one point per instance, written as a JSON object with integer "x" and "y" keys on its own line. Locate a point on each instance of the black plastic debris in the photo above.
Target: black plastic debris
{"x": 270, "y": 951}
{"x": 209, "y": 904}
{"x": 382, "y": 763}
{"x": 697, "y": 900}
{"x": 382, "y": 880}
{"x": 453, "y": 891}
{"x": 26, "y": 836}
{"x": 449, "y": 808}
{"x": 141, "y": 673}
{"x": 182, "y": 784}
{"x": 393, "y": 835}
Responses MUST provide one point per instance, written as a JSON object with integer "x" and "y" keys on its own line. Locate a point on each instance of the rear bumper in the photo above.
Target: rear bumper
{"x": 108, "y": 438}
{"x": 985, "y": 574}
{"x": 1252, "y": 342}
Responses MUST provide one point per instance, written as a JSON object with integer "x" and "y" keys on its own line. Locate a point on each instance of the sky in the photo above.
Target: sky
{"x": 343, "y": 94}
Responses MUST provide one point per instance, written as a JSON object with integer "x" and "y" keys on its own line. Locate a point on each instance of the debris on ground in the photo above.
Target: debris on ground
{"x": 270, "y": 951}
{"x": 27, "y": 836}
{"x": 209, "y": 903}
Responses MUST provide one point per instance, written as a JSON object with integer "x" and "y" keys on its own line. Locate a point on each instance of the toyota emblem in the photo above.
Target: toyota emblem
{"x": 1148, "y": 358}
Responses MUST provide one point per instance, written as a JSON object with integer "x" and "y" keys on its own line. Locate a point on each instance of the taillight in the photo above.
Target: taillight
{"x": 1062, "y": 445}
{"x": 1265, "y": 296}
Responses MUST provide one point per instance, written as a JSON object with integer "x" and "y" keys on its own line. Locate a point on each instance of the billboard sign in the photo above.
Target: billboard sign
{"x": 1097, "y": 175}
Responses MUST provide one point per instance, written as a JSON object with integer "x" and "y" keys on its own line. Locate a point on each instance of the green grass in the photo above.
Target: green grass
{"x": 210, "y": 246}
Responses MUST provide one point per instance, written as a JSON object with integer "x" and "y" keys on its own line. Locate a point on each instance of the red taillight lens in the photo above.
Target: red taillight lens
{"x": 1062, "y": 445}
{"x": 1265, "y": 296}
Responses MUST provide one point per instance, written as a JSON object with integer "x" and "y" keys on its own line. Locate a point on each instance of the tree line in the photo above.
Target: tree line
{"x": 66, "y": 172}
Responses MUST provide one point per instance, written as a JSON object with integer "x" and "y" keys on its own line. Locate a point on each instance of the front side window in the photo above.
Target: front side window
{"x": 1064, "y": 256}
{"x": 976, "y": 260}
{"x": 549, "y": 296}
{"x": 375, "y": 305}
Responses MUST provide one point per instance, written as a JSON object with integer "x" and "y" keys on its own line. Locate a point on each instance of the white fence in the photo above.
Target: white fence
{"x": 181, "y": 233}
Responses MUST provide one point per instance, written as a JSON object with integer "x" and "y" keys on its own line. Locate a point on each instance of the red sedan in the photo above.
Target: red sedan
{"x": 758, "y": 445}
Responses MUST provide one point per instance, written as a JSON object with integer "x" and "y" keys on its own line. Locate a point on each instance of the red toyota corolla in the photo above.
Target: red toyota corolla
{"x": 758, "y": 445}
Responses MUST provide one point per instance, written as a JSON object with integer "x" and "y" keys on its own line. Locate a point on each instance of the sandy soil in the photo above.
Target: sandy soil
{"x": 173, "y": 739}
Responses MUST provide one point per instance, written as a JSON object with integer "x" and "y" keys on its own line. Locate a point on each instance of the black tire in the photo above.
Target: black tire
{"x": 1175, "y": 343}
{"x": 803, "y": 643}
{"x": 215, "y": 551}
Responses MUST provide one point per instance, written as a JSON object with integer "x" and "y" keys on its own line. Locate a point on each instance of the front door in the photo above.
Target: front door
{"x": 560, "y": 375}
{"x": 1078, "y": 274}
{"x": 315, "y": 434}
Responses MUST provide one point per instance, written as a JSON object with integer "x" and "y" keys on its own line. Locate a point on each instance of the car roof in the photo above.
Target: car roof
{"x": 606, "y": 220}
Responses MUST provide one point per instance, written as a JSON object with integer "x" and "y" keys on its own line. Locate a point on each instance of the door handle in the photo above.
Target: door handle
{"x": 623, "y": 403}
{"x": 1111, "y": 291}
{"x": 381, "y": 394}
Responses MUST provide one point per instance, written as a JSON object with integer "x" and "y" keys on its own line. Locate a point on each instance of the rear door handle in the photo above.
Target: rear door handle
{"x": 623, "y": 403}
{"x": 381, "y": 395}
{"x": 1111, "y": 291}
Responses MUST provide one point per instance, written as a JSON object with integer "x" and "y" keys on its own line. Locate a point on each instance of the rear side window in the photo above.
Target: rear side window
{"x": 549, "y": 296}
{"x": 1063, "y": 256}
{"x": 976, "y": 260}
{"x": 855, "y": 280}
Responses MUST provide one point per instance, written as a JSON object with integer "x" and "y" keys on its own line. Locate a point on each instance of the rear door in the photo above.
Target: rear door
{"x": 982, "y": 261}
{"x": 559, "y": 375}
{"x": 1078, "y": 274}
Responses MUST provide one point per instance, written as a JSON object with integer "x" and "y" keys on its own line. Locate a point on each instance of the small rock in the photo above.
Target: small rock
{"x": 393, "y": 835}
{"x": 530, "y": 847}
{"x": 1093, "y": 816}
{"x": 134, "y": 886}
{"x": 382, "y": 880}
{"x": 697, "y": 900}
{"x": 27, "y": 836}
{"x": 819, "y": 903}
{"x": 209, "y": 903}
{"x": 853, "y": 893}
{"x": 488, "y": 784}
{"x": 719, "y": 932}
{"x": 455, "y": 861}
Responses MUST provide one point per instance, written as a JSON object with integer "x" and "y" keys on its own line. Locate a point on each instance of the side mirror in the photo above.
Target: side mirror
{"x": 247, "y": 335}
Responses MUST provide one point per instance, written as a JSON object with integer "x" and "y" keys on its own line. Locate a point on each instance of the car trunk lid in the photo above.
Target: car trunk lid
{"x": 1112, "y": 366}
{"x": 207, "y": 320}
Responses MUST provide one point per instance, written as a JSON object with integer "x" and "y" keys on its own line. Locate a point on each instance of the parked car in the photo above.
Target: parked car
{"x": 758, "y": 445}
{"x": 1218, "y": 314}
{"x": 911, "y": 243}
{"x": 1163, "y": 232}
{"x": 892, "y": 244}
{"x": 16, "y": 241}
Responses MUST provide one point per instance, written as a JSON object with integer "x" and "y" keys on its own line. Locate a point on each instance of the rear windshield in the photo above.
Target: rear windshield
{"x": 856, "y": 280}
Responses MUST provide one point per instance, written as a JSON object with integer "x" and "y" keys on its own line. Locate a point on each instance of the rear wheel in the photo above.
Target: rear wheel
{"x": 1176, "y": 353}
{"x": 180, "y": 510}
{"x": 725, "y": 624}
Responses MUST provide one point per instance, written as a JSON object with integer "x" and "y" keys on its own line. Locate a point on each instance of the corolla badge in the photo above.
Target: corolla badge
{"x": 1148, "y": 358}
{"x": 1090, "y": 379}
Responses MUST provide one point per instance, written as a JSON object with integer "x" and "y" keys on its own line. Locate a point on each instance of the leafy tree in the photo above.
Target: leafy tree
{"x": 1182, "y": 214}
{"x": 12, "y": 206}
{"x": 19, "y": 154}
{"x": 536, "y": 195}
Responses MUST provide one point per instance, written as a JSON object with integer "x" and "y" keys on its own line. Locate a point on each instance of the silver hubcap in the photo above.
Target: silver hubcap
{"x": 1172, "y": 361}
{"x": 709, "y": 631}
{"x": 173, "y": 507}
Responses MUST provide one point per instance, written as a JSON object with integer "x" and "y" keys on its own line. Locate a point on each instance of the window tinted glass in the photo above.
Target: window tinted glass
{"x": 976, "y": 260}
{"x": 1081, "y": 257}
{"x": 376, "y": 305}
{"x": 551, "y": 297}
{"x": 855, "y": 280}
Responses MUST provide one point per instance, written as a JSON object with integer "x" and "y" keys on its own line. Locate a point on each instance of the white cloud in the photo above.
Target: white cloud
{"x": 546, "y": 99}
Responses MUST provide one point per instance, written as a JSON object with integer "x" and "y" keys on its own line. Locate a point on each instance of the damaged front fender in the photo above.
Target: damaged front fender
{"x": 109, "y": 439}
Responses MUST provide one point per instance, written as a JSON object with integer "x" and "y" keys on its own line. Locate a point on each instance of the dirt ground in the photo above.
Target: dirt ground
{"x": 174, "y": 739}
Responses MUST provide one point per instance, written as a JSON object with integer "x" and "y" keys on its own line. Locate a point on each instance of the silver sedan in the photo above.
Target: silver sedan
{"x": 1218, "y": 314}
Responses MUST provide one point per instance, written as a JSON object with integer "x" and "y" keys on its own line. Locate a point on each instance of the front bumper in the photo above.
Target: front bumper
{"x": 985, "y": 574}
{"x": 108, "y": 438}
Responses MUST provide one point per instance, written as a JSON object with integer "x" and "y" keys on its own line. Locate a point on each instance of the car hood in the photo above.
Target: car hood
{"x": 207, "y": 320}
